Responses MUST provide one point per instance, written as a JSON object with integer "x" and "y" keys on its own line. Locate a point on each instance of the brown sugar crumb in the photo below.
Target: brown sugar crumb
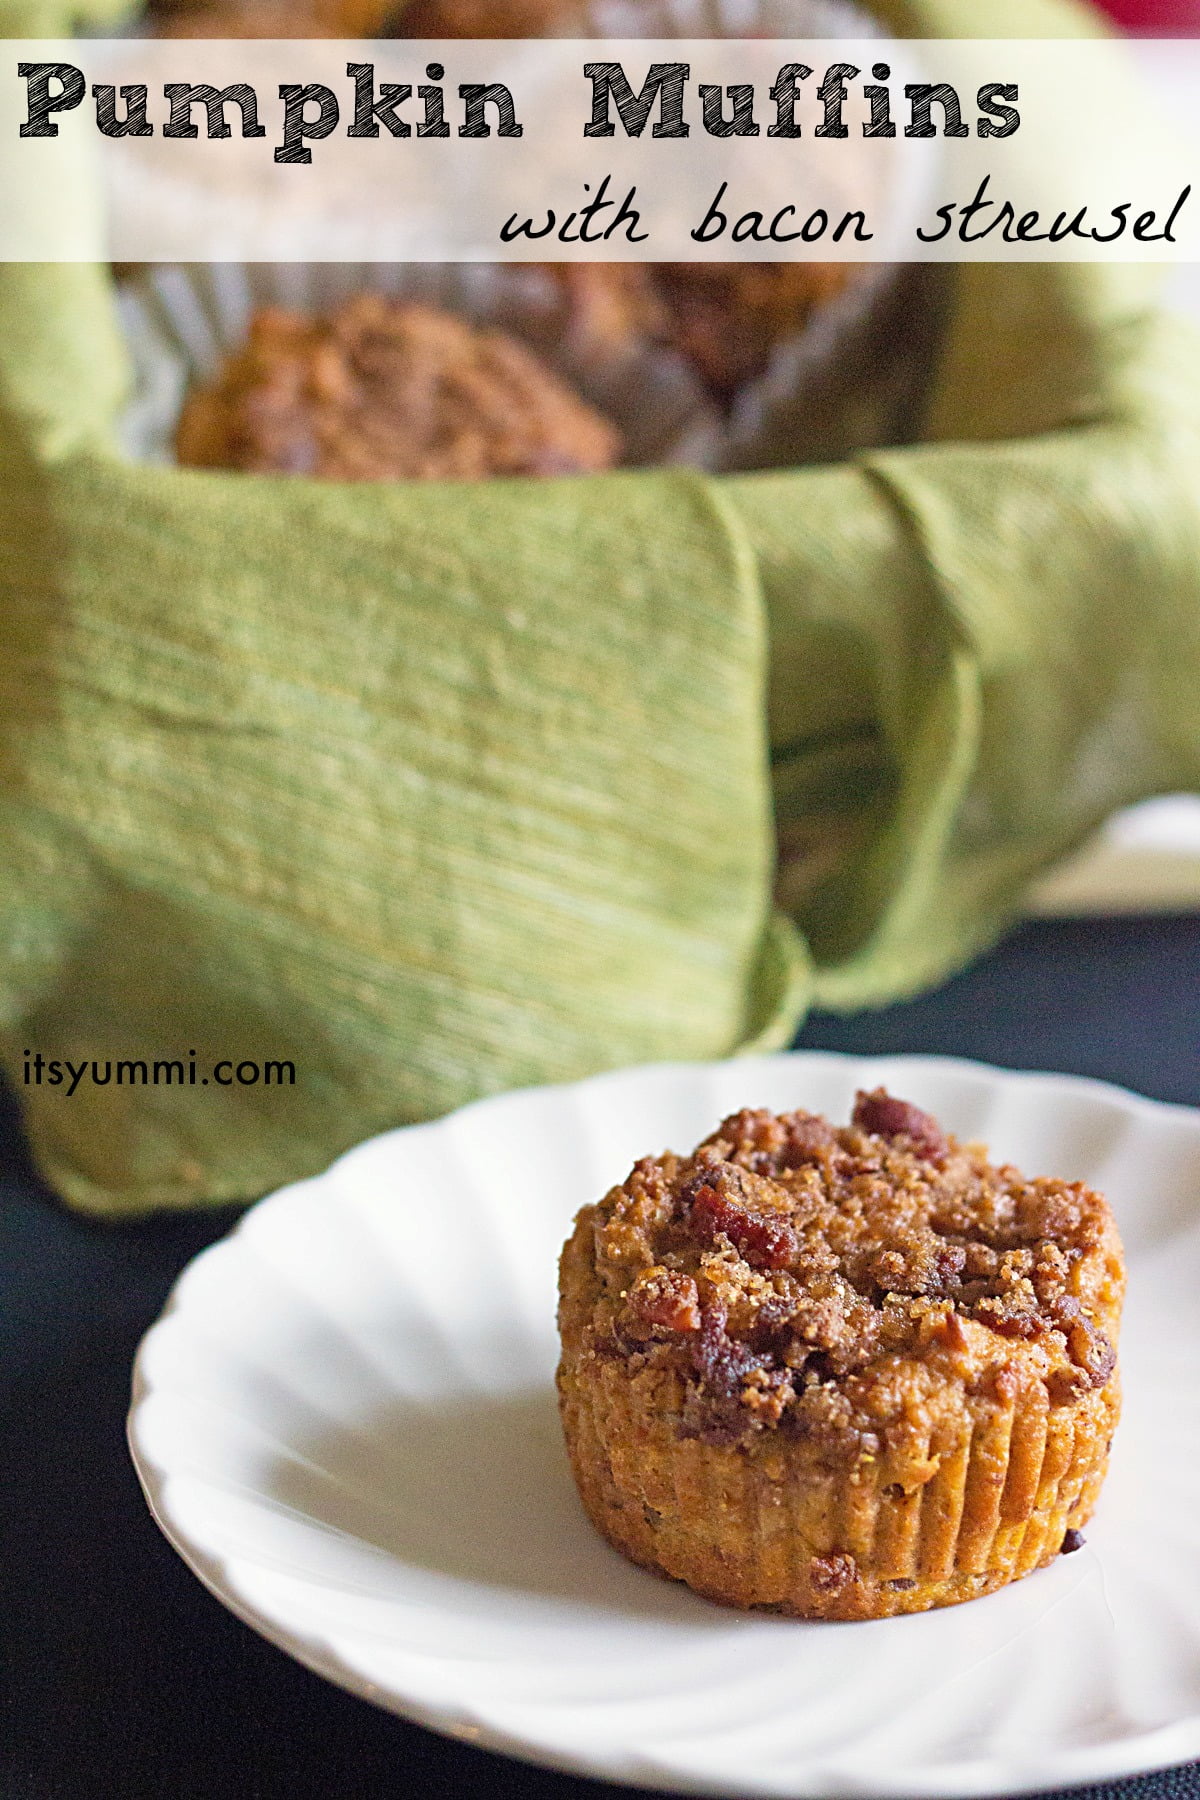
{"x": 802, "y": 1277}
{"x": 383, "y": 390}
{"x": 662, "y": 1300}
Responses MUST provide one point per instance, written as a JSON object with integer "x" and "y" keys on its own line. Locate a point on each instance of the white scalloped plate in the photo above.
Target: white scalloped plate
{"x": 345, "y": 1424}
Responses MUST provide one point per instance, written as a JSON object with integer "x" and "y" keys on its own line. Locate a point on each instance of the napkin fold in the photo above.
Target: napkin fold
{"x": 430, "y": 790}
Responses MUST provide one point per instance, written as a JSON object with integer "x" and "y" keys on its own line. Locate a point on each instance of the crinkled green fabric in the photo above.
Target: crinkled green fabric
{"x": 435, "y": 789}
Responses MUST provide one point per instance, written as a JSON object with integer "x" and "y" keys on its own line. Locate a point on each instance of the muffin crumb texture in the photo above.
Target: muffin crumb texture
{"x": 384, "y": 390}
{"x": 841, "y": 1372}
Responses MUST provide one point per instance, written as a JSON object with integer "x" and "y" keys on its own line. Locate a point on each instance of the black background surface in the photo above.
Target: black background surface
{"x": 120, "y": 1676}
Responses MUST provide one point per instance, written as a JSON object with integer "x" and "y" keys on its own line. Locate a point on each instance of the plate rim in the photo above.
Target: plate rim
{"x": 1163, "y": 1747}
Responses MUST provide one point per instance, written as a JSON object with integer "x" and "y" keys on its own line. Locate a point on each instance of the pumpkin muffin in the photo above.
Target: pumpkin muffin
{"x": 725, "y": 320}
{"x": 840, "y": 1373}
{"x": 485, "y": 18}
{"x": 384, "y": 390}
{"x": 267, "y": 18}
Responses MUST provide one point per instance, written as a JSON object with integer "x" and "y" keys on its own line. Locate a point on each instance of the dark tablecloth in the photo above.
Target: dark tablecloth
{"x": 120, "y": 1675}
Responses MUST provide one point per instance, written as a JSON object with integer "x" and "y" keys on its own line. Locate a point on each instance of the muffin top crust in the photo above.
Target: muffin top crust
{"x": 389, "y": 390}
{"x": 791, "y": 1275}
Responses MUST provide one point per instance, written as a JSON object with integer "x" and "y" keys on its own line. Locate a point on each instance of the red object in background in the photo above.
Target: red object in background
{"x": 1156, "y": 18}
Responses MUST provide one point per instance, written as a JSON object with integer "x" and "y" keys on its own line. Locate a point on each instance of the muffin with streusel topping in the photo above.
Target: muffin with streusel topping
{"x": 840, "y": 1373}
{"x": 389, "y": 390}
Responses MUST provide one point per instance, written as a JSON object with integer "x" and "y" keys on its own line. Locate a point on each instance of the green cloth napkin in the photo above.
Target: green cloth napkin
{"x": 432, "y": 790}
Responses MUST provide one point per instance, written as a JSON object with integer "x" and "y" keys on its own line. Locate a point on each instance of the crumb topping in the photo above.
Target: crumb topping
{"x": 801, "y": 1276}
{"x": 387, "y": 390}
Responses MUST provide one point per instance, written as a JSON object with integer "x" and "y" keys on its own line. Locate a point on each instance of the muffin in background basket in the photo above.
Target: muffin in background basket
{"x": 483, "y": 18}
{"x": 840, "y": 1373}
{"x": 728, "y": 318}
{"x": 387, "y": 390}
{"x": 725, "y": 320}
{"x": 267, "y": 18}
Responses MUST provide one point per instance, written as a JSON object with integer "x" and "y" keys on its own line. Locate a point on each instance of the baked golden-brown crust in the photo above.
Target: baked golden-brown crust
{"x": 840, "y": 1373}
{"x": 381, "y": 390}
